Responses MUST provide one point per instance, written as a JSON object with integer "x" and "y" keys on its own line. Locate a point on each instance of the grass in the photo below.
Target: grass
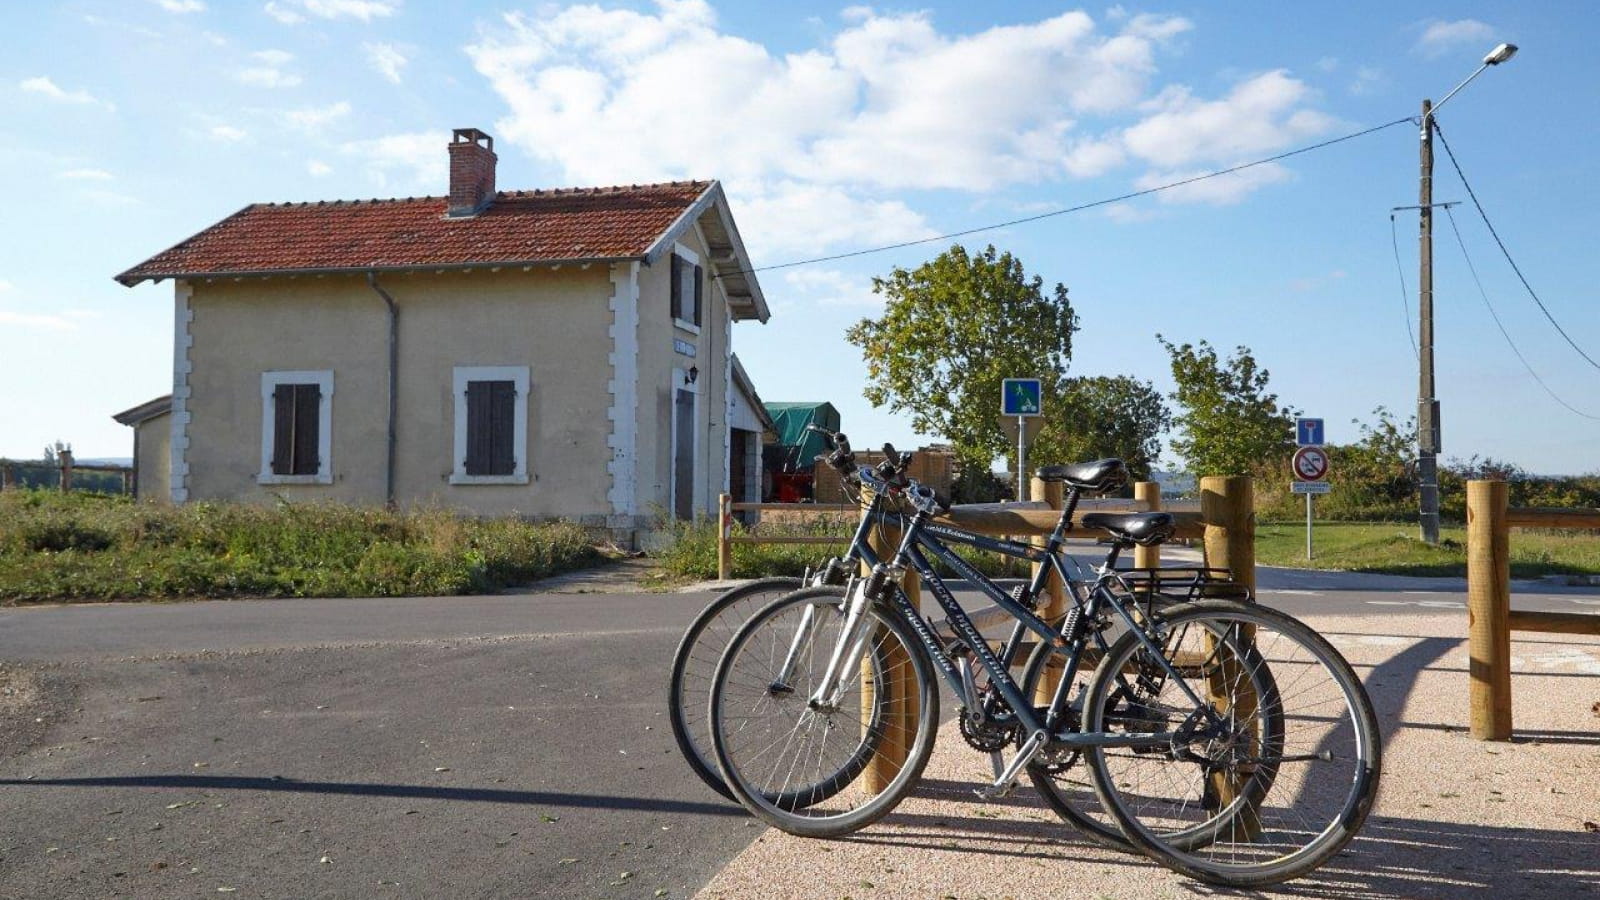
{"x": 80, "y": 547}
{"x": 1396, "y": 549}
{"x": 691, "y": 554}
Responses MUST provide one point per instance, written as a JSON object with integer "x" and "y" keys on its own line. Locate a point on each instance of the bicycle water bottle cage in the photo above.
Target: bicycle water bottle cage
{"x": 1099, "y": 477}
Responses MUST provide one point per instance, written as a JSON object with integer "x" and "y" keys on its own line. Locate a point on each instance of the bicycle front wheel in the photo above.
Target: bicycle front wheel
{"x": 696, "y": 661}
{"x": 1254, "y": 779}
{"x": 821, "y": 769}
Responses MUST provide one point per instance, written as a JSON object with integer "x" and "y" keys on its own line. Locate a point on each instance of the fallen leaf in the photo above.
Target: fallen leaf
{"x": 327, "y": 861}
{"x": 567, "y": 861}
{"x": 442, "y": 769}
{"x": 1591, "y": 827}
{"x": 226, "y": 890}
{"x": 546, "y": 817}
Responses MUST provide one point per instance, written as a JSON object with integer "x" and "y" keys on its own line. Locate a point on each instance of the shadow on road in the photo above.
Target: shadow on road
{"x": 360, "y": 789}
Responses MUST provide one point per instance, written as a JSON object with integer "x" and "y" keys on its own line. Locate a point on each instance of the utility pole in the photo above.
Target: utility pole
{"x": 1427, "y": 403}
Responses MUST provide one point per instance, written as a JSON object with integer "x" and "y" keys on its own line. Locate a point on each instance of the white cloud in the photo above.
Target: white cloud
{"x": 1440, "y": 37}
{"x": 1259, "y": 115}
{"x": 1328, "y": 64}
{"x": 890, "y": 102}
{"x": 312, "y": 118}
{"x": 42, "y": 85}
{"x": 34, "y": 320}
{"x": 387, "y": 59}
{"x": 283, "y": 13}
{"x": 887, "y": 103}
{"x": 270, "y": 73}
{"x": 830, "y": 287}
{"x": 87, "y": 174}
{"x": 1367, "y": 80}
{"x": 4, "y": 285}
{"x": 293, "y": 12}
{"x": 228, "y": 133}
{"x": 318, "y": 168}
{"x": 181, "y": 6}
{"x": 414, "y": 161}
{"x": 1222, "y": 190}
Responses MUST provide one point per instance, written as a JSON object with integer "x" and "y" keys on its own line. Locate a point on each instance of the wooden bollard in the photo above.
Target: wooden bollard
{"x": 1056, "y": 605}
{"x": 1150, "y": 493}
{"x": 64, "y": 459}
{"x": 724, "y": 531}
{"x": 1227, "y": 506}
{"x": 1489, "y": 610}
{"x": 900, "y": 722}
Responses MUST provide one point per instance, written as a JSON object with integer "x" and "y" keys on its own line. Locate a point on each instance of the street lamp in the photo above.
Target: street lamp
{"x": 1427, "y": 403}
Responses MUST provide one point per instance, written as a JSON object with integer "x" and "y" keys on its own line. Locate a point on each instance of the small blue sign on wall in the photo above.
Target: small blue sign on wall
{"x": 1020, "y": 397}
{"x": 1308, "y": 432}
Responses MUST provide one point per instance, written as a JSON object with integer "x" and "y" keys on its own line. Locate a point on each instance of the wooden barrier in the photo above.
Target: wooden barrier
{"x": 1490, "y": 618}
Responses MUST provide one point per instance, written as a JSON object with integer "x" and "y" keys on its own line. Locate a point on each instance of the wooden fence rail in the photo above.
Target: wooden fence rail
{"x": 1490, "y": 618}
{"x": 66, "y": 466}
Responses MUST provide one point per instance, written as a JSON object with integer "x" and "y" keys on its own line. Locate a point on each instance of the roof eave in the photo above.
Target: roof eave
{"x": 129, "y": 278}
{"x": 711, "y": 198}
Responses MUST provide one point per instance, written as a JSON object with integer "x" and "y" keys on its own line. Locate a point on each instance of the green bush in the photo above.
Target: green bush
{"x": 84, "y": 546}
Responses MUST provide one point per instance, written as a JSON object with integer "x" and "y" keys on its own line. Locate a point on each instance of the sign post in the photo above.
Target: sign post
{"x": 1021, "y": 397}
{"x": 1310, "y": 469}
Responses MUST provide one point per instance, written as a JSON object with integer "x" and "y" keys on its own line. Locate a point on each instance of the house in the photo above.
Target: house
{"x": 548, "y": 353}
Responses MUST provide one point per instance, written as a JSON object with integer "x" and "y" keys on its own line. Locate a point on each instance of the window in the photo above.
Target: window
{"x": 688, "y": 285}
{"x": 491, "y": 425}
{"x": 296, "y": 428}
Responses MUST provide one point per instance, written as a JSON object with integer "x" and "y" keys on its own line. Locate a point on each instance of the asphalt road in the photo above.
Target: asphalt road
{"x": 506, "y": 746}
{"x": 511, "y": 746}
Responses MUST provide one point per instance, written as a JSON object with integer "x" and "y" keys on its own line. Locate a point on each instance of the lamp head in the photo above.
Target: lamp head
{"x": 1500, "y": 54}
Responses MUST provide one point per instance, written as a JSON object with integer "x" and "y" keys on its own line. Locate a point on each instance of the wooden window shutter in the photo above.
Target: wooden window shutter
{"x": 502, "y": 429}
{"x": 283, "y": 429}
{"x": 307, "y": 429}
{"x": 491, "y": 427}
{"x": 677, "y": 286}
{"x": 699, "y": 291}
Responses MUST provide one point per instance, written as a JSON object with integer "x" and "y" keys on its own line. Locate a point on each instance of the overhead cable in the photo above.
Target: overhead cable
{"x": 1132, "y": 195}
{"x": 1500, "y": 325}
{"x": 1507, "y": 253}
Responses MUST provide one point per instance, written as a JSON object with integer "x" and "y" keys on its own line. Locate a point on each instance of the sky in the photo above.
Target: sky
{"x": 131, "y": 124}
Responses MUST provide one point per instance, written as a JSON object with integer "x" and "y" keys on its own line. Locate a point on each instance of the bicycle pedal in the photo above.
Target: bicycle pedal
{"x": 992, "y": 792}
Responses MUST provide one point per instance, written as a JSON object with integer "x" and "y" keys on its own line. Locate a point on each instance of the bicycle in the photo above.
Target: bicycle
{"x": 1218, "y": 747}
{"x": 707, "y": 638}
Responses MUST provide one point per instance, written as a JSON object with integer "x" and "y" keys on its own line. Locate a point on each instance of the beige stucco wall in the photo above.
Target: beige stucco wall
{"x": 657, "y": 380}
{"x": 553, "y": 321}
{"x": 152, "y": 455}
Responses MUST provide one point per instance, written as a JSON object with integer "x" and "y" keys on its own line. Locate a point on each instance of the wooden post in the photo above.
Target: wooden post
{"x": 724, "y": 531}
{"x": 64, "y": 459}
{"x": 127, "y": 482}
{"x": 900, "y": 726}
{"x": 1489, "y": 610}
{"x": 1227, "y": 506}
{"x": 6, "y": 478}
{"x": 1150, "y": 493}
{"x": 1055, "y": 607}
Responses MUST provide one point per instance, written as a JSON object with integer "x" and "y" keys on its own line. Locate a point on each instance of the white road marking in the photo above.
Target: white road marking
{"x": 1296, "y": 593}
{"x": 1428, "y": 604}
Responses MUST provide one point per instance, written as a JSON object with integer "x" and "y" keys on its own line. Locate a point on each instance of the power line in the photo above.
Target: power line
{"x": 1500, "y": 325}
{"x": 1507, "y": 253}
{"x": 1400, "y": 270}
{"x": 1080, "y": 207}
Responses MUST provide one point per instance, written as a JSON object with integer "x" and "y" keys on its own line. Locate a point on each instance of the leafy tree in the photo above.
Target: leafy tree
{"x": 951, "y": 330}
{"x": 1100, "y": 416}
{"x": 1229, "y": 422}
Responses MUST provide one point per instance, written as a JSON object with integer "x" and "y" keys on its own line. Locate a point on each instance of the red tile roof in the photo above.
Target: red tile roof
{"x": 518, "y": 227}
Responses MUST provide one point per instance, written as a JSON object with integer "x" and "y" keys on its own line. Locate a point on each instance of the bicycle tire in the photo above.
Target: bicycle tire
{"x": 700, "y": 649}
{"x": 1256, "y": 845}
{"x": 1078, "y": 809}
{"x": 894, "y": 648}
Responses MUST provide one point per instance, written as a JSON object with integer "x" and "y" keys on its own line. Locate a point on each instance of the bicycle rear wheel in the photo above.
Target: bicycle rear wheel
{"x": 828, "y": 770}
{"x": 1228, "y": 796}
{"x": 1065, "y": 782}
{"x": 696, "y": 661}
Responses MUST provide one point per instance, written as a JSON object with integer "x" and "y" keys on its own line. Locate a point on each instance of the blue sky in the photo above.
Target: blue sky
{"x": 131, "y": 124}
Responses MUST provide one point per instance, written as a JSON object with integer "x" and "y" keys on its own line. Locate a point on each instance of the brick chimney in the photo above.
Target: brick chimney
{"x": 471, "y": 172}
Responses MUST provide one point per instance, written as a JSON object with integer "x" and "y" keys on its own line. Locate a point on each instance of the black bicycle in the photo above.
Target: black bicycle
{"x": 1226, "y": 740}
{"x": 1064, "y": 786}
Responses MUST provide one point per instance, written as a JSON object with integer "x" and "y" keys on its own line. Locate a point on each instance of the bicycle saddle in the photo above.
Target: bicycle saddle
{"x": 1146, "y": 528}
{"x": 1096, "y": 477}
